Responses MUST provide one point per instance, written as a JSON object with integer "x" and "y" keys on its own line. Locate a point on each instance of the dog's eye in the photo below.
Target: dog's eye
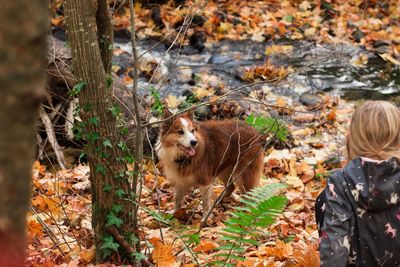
{"x": 181, "y": 132}
{"x": 192, "y": 131}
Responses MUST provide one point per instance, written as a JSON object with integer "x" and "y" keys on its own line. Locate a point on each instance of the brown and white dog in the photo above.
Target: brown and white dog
{"x": 193, "y": 154}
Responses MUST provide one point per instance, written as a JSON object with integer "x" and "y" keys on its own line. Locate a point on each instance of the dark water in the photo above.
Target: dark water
{"x": 325, "y": 68}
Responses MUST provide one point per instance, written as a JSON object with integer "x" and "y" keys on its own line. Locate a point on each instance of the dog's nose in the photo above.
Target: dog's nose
{"x": 193, "y": 142}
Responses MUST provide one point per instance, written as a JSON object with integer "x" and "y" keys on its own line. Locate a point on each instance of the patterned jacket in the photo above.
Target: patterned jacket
{"x": 362, "y": 215}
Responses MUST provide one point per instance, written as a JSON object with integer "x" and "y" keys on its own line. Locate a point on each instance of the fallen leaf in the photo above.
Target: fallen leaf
{"x": 281, "y": 251}
{"x": 389, "y": 58}
{"x": 205, "y": 246}
{"x": 163, "y": 255}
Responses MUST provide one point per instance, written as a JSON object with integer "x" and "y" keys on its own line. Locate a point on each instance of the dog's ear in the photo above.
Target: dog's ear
{"x": 166, "y": 113}
{"x": 166, "y": 125}
{"x": 189, "y": 114}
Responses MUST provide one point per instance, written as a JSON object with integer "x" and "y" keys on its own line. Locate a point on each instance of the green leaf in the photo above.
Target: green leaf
{"x": 117, "y": 208}
{"x": 120, "y": 193}
{"x": 109, "y": 79}
{"x": 109, "y": 244}
{"x": 112, "y": 219}
{"x": 101, "y": 169}
{"x": 115, "y": 111}
{"x": 107, "y": 188}
{"x": 77, "y": 88}
{"x": 288, "y": 18}
{"x": 268, "y": 125}
{"x": 94, "y": 121}
{"x": 122, "y": 146}
{"x": 92, "y": 137}
{"x": 157, "y": 105}
{"x": 139, "y": 256}
{"x": 193, "y": 238}
{"x": 107, "y": 143}
{"x": 87, "y": 107}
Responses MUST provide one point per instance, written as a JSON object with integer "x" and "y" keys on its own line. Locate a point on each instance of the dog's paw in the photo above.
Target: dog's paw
{"x": 181, "y": 215}
{"x": 210, "y": 221}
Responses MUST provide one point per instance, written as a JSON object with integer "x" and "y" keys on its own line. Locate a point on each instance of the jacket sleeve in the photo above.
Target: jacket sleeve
{"x": 335, "y": 237}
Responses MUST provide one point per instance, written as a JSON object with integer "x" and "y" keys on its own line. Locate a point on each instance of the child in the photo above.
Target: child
{"x": 359, "y": 211}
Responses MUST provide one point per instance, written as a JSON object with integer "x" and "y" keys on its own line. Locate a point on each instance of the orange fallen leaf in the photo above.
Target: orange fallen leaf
{"x": 331, "y": 115}
{"x": 281, "y": 251}
{"x": 205, "y": 246}
{"x": 39, "y": 167}
{"x": 162, "y": 254}
{"x": 308, "y": 257}
{"x": 87, "y": 255}
{"x": 34, "y": 229}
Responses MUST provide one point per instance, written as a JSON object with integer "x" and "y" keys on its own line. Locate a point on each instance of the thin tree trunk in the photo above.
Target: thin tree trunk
{"x": 23, "y": 26}
{"x": 108, "y": 156}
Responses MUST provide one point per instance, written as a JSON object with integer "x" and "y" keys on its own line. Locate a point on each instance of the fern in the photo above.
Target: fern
{"x": 266, "y": 125}
{"x": 261, "y": 206}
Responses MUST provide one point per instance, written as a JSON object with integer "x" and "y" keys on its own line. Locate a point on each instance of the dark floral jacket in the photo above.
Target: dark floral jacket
{"x": 362, "y": 215}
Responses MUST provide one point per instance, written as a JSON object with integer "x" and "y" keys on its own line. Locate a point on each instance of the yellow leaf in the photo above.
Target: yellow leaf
{"x": 224, "y": 27}
{"x": 292, "y": 179}
{"x": 310, "y": 32}
{"x": 258, "y": 36}
{"x": 201, "y": 93}
{"x": 173, "y": 102}
{"x": 281, "y": 49}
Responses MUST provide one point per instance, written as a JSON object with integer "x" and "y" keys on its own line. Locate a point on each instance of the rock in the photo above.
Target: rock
{"x": 358, "y": 35}
{"x": 152, "y": 69}
{"x": 379, "y": 43}
{"x": 122, "y": 36}
{"x": 59, "y": 33}
{"x": 219, "y": 59}
{"x": 197, "y": 40}
{"x": 187, "y": 93}
{"x": 203, "y": 112}
{"x": 198, "y": 20}
{"x": 310, "y": 100}
{"x": 382, "y": 49}
{"x": 184, "y": 74}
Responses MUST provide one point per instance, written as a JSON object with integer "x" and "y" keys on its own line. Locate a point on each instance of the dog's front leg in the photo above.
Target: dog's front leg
{"x": 179, "y": 195}
{"x": 207, "y": 194}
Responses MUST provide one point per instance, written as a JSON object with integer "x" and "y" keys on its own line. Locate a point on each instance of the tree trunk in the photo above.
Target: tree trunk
{"x": 23, "y": 26}
{"x": 108, "y": 157}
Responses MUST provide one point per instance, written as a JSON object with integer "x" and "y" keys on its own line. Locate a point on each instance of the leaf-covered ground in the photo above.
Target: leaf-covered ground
{"x": 59, "y": 227}
{"x": 59, "y": 223}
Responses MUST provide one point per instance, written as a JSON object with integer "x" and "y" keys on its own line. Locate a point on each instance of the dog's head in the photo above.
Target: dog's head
{"x": 180, "y": 132}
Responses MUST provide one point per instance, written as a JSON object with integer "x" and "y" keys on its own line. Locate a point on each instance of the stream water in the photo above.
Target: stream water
{"x": 325, "y": 68}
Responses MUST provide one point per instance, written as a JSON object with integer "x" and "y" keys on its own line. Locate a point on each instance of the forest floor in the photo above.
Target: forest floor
{"x": 59, "y": 222}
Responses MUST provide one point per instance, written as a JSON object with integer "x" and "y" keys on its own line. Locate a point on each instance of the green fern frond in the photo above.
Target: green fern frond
{"x": 261, "y": 207}
{"x": 268, "y": 125}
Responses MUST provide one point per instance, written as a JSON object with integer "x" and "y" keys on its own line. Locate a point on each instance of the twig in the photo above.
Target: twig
{"x": 47, "y": 229}
{"x": 121, "y": 240}
{"x": 52, "y": 137}
{"x": 136, "y": 181}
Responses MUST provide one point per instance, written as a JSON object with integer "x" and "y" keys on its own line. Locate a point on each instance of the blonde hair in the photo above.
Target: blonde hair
{"x": 375, "y": 131}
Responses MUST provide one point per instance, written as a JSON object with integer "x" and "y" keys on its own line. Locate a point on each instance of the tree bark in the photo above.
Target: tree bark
{"x": 107, "y": 155}
{"x": 23, "y": 26}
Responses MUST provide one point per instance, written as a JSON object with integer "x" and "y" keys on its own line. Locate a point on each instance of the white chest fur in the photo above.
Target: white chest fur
{"x": 173, "y": 174}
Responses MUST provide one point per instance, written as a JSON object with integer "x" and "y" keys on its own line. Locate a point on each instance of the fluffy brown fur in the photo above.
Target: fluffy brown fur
{"x": 230, "y": 150}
